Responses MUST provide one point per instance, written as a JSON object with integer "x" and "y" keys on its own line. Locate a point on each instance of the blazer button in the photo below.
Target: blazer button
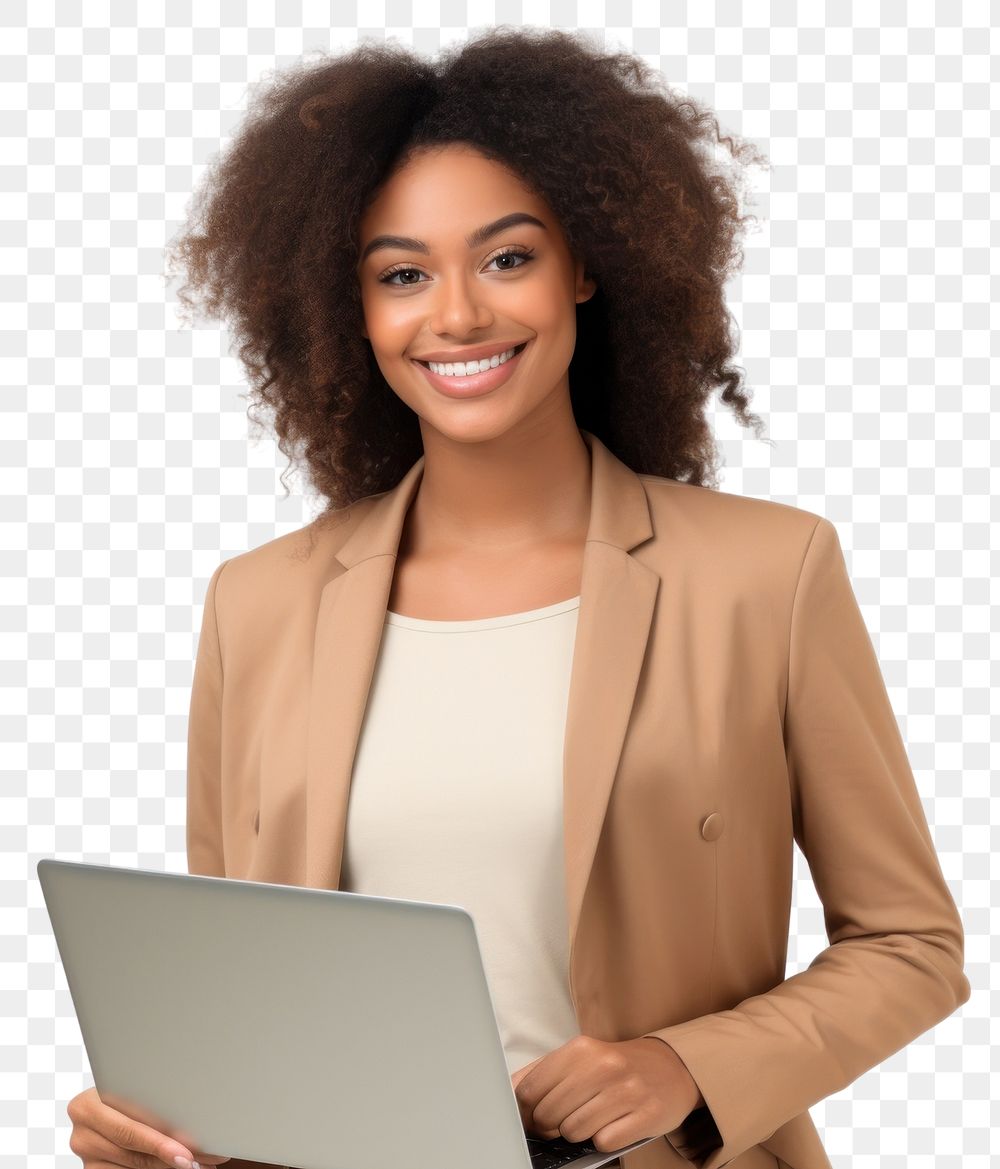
{"x": 711, "y": 826}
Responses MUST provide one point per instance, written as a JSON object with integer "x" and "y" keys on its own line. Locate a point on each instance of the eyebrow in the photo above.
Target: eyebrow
{"x": 478, "y": 237}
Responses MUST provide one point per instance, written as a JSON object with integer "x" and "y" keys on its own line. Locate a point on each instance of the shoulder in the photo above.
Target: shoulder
{"x": 282, "y": 571}
{"x": 716, "y": 534}
{"x": 703, "y": 511}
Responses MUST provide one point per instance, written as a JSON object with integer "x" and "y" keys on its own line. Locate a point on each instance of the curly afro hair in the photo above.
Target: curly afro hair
{"x": 628, "y": 168}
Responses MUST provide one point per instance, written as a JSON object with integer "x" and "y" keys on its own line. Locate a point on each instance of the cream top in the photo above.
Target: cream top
{"x": 457, "y": 798}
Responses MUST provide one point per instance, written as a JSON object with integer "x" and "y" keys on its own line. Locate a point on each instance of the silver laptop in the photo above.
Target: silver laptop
{"x": 307, "y": 1027}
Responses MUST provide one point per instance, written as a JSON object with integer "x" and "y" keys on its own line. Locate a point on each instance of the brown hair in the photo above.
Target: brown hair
{"x": 626, "y": 166}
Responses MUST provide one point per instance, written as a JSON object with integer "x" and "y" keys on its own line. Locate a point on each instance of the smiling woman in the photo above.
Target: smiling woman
{"x": 490, "y": 307}
{"x": 539, "y": 169}
{"x": 524, "y": 661}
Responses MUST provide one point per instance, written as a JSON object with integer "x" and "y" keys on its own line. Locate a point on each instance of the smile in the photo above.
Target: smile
{"x": 468, "y": 368}
{"x": 486, "y": 375}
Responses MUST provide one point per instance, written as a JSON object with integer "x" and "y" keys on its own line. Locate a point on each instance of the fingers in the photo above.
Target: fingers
{"x": 151, "y": 1164}
{"x": 97, "y": 1152}
{"x": 102, "y": 1135}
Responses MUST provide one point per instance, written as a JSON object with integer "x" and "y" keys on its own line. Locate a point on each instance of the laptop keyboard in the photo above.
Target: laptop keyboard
{"x": 552, "y": 1154}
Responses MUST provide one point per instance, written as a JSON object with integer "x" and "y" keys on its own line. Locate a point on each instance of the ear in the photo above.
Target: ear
{"x": 586, "y": 285}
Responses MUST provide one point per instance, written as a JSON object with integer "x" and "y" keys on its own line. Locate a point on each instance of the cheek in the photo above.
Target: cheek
{"x": 547, "y": 307}
{"x": 390, "y": 328}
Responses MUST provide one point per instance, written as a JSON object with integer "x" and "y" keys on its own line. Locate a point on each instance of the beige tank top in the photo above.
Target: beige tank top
{"x": 456, "y": 797}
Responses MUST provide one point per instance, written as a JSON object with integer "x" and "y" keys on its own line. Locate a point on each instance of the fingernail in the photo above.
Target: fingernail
{"x": 184, "y": 1163}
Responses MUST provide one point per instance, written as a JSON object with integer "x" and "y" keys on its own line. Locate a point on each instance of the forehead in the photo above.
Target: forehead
{"x": 448, "y": 190}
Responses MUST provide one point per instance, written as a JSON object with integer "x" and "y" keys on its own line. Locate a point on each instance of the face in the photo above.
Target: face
{"x": 434, "y": 296}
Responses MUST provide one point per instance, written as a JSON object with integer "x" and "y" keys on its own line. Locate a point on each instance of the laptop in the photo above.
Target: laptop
{"x": 305, "y": 1027}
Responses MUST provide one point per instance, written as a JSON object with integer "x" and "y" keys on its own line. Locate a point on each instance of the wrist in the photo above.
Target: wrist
{"x": 694, "y": 1098}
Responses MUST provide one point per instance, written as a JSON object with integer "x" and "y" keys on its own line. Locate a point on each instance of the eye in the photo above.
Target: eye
{"x": 523, "y": 254}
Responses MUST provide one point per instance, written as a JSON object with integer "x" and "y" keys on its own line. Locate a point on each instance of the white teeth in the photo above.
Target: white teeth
{"x": 465, "y": 368}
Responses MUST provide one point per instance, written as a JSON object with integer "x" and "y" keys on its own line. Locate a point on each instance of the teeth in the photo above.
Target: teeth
{"x": 465, "y": 368}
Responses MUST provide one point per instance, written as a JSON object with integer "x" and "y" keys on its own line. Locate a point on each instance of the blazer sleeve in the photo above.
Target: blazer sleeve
{"x": 204, "y": 772}
{"x": 204, "y": 746}
{"x": 894, "y": 965}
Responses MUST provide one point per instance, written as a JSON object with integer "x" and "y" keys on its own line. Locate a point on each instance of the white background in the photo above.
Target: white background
{"x": 129, "y": 468}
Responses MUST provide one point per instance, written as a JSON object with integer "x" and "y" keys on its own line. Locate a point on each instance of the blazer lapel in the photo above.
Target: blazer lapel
{"x": 617, "y": 595}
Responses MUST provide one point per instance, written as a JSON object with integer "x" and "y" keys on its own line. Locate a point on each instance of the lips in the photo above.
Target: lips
{"x": 474, "y": 385}
{"x": 462, "y": 360}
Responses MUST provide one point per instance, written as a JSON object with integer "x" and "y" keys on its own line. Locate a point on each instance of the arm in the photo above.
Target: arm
{"x": 894, "y": 966}
{"x": 204, "y": 769}
{"x": 204, "y": 747}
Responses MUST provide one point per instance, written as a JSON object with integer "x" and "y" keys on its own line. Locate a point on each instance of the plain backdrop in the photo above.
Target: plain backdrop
{"x": 130, "y": 469}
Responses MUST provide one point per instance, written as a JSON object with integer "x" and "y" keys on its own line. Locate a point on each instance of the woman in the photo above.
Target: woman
{"x": 527, "y": 660}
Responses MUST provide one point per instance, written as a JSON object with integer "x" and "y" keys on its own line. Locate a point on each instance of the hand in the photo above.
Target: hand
{"x": 609, "y": 1093}
{"x": 103, "y": 1137}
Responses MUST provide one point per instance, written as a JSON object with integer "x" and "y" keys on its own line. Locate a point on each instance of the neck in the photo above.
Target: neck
{"x": 514, "y": 492}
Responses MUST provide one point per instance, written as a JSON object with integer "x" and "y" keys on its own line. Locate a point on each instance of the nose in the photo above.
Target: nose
{"x": 459, "y": 307}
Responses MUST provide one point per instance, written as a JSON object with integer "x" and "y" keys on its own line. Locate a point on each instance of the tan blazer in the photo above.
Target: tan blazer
{"x": 725, "y": 702}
